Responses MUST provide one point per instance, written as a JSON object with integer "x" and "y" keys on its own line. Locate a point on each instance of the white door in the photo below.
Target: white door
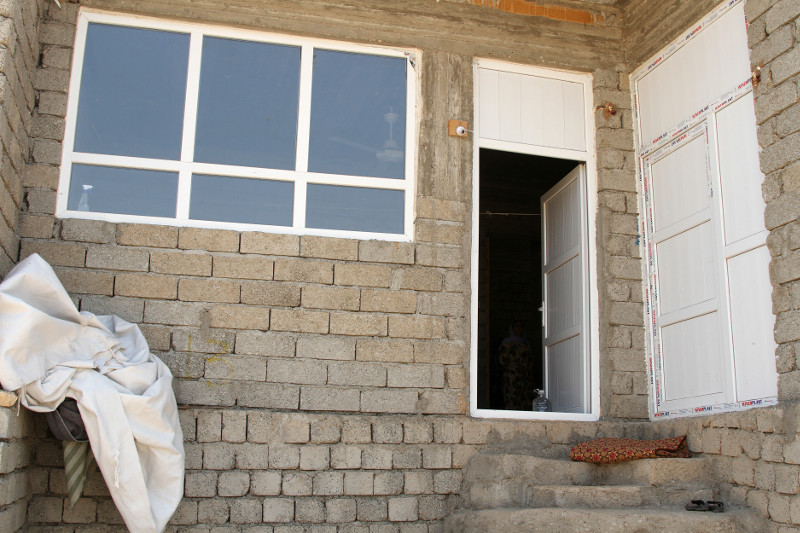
{"x": 564, "y": 270}
{"x": 689, "y": 313}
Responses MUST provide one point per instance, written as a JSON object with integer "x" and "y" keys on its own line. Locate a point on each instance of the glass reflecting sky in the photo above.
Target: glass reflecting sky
{"x": 247, "y": 112}
{"x": 132, "y": 94}
{"x": 358, "y": 115}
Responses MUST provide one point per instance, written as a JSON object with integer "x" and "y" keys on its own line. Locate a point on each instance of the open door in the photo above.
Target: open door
{"x": 565, "y": 305}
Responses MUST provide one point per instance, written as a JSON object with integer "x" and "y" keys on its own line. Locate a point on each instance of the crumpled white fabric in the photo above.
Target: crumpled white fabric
{"x": 49, "y": 350}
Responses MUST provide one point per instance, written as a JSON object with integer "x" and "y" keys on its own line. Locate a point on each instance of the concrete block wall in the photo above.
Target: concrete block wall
{"x": 19, "y": 55}
{"x": 323, "y": 382}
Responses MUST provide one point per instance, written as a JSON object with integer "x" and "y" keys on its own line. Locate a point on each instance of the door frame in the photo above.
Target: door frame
{"x": 587, "y": 158}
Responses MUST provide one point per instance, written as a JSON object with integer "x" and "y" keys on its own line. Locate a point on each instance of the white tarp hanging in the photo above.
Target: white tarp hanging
{"x": 49, "y": 350}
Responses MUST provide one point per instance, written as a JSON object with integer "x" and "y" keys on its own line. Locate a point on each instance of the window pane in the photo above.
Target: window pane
{"x": 358, "y": 115}
{"x": 251, "y": 201}
{"x": 356, "y": 209}
{"x": 126, "y": 191}
{"x": 247, "y": 113}
{"x": 132, "y": 92}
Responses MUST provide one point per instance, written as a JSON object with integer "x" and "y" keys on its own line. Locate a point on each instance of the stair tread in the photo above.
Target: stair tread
{"x": 593, "y": 520}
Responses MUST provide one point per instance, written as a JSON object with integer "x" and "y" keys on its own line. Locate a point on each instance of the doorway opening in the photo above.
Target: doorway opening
{"x": 516, "y": 353}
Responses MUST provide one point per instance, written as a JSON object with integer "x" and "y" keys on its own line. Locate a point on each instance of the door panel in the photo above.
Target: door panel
{"x": 686, "y": 267}
{"x": 565, "y": 304}
{"x": 564, "y": 371}
{"x": 677, "y": 191}
{"x": 693, "y": 368}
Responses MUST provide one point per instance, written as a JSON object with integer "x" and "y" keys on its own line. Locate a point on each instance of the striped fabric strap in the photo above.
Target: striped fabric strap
{"x": 77, "y": 458}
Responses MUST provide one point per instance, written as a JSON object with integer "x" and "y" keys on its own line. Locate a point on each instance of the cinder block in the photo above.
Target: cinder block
{"x": 182, "y": 263}
{"x": 329, "y": 399}
{"x": 201, "y": 484}
{"x": 243, "y": 267}
{"x": 265, "y": 483}
{"x": 269, "y": 395}
{"x": 456, "y": 377}
{"x": 208, "y": 290}
{"x": 387, "y": 431}
{"x": 371, "y": 509}
{"x": 305, "y": 270}
{"x": 218, "y": 456}
{"x": 403, "y": 509}
{"x": 265, "y": 343}
{"x": 309, "y": 510}
{"x": 432, "y": 507}
{"x": 246, "y": 511}
{"x": 418, "y": 279}
{"x": 272, "y": 294}
{"x": 328, "y": 248}
{"x": 314, "y": 457}
{"x": 297, "y": 484}
{"x": 209, "y": 426}
{"x": 389, "y": 483}
{"x": 211, "y": 240}
{"x": 447, "y": 482}
{"x": 447, "y": 431}
{"x": 301, "y": 321}
{"x": 117, "y": 258}
{"x": 407, "y": 457}
{"x": 446, "y": 353}
{"x": 388, "y": 301}
{"x": 36, "y": 226}
{"x": 416, "y": 327}
{"x": 173, "y": 313}
{"x": 283, "y": 457}
{"x": 358, "y": 275}
{"x": 146, "y": 286}
{"x": 255, "y": 456}
{"x": 235, "y": 483}
{"x": 145, "y": 235}
{"x": 345, "y": 457}
{"x": 55, "y": 253}
{"x": 340, "y": 510}
{"x": 356, "y": 431}
{"x": 94, "y": 231}
{"x": 443, "y": 305}
{"x": 86, "y": 281}
{"x": 278, "y": 510}
{"x": 236, "y": 367}
{"x": 435, "y": 456}
{"x": 427, "y": 376}
{"x": 389, "y": 401}
{"x": 326, "y": 347}
{"x": 418, "y": 482}
{"x": 357, "y": 374}
{"x": 326, "y": 430}
{"x": 358, "y": 324}
{"x": 329, "y": 484}
{"x": 84, "y": 512}
{"x": 203, "y": 340}
{"x": 239, "y": 317}
{"x": 315, "y": 297}
{"x": 443, "y": 402}
{"x": 302, "y": 371}
{"x": 358, "y": 483}
{"x": 443, "y": 256}
{"x": 205, "y": 393}
{"x": 234, "y": 426}
{"x": 129, "y": 309}
{"x": 386, "y": 252}
{"x": 418, "y": 431}
{"x": 270, "y": 244}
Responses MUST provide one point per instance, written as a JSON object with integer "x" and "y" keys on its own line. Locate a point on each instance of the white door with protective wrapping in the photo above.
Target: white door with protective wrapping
{"x": 564, "y": 271}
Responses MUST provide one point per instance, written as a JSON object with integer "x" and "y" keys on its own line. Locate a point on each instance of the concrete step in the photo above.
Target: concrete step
{"x": 486, "y": 494}
{"x": 546, "y": 471}
{"x": 555, "y": 520}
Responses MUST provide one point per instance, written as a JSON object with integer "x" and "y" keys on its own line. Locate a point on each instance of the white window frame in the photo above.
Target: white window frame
{"x": 591, "y": 297}
{"x": 185, "y": 167}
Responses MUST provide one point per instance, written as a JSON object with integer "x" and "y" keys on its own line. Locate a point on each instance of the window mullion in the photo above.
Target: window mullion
{"x": 303, "y": 135}
{"x": 189, "y": 124}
